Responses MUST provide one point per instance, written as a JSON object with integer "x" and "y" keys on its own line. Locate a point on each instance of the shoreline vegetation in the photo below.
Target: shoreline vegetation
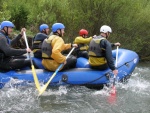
{"x": 129, "y": 19}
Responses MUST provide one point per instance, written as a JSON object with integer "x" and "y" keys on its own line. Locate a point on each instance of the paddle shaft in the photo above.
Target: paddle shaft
{"x": 60, "y": 66}
{"x": 114, "y": 79}
{"x": 32, "y": 66}
{"x": 116, "y": 57}
{"x": 27, "y": 45}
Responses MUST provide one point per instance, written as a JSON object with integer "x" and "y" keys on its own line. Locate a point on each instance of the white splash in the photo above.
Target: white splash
{"x": 60, "y": 91}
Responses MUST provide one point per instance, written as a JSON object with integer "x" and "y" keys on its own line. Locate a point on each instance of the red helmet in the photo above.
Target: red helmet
{"x": 83, "y": 32}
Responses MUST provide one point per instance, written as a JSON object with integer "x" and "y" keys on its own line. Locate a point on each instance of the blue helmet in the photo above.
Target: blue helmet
{"x": 7, "y": 24}
{"x": 43, "y": 26}
{"x": 57, "y": 26}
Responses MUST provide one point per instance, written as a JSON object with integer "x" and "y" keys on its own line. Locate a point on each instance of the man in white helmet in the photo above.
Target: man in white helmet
{"x": 100, "y": 51}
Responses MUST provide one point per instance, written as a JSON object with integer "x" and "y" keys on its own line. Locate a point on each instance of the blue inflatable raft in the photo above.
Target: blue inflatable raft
{"x": 81, "y": 75}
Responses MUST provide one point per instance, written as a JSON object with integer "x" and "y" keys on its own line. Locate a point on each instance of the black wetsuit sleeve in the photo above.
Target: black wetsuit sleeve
{"x": 15, "y": 40}
{"x": 108, "y": 53}
{"x": 112, "y": 45}
{"x": 8, "y": 51}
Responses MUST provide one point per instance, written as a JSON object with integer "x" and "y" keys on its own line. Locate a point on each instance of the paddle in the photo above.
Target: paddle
{"x": 112, "y": 97}
{"x": 60, "y": 66}
{"x": 114, "y": 80}
{"x": 32, "y": 66}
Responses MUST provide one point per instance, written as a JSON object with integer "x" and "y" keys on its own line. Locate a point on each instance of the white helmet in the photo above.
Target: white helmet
{"x": 105, "y": 29}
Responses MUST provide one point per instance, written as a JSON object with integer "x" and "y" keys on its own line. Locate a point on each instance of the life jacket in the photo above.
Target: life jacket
{"x": 37, "y": 42}
{"x": 96, "y": 53}
{"x": 47, "y": 47}
{"x": 94, "y": 48}
{"x": 8, "y": 39}
{"x": 82, "y": 47}
{"x": 82, "y": 44}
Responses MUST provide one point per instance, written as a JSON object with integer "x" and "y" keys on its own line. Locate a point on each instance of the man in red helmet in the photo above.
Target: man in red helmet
{"x": 83, "y": 43}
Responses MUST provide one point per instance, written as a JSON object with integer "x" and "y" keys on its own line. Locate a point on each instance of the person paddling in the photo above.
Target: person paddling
{"x": 11, "y": 58}
{"x": 83, "y": 43}
{"x": 100, "y": 51}
{"x": 53, "y": 47}
{"x": 38, "y": 40}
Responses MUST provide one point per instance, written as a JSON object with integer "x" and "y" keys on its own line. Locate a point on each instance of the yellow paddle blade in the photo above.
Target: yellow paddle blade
{"x": 60, "y": 66}
{"x": 35, "y": 78}
{"x": 46, "y": 85}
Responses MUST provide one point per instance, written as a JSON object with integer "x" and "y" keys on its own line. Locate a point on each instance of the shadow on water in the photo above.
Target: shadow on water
{"x": 132, "y": 97}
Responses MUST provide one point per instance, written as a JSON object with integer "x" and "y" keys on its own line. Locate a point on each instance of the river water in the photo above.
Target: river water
{"x": 132, "y": 97}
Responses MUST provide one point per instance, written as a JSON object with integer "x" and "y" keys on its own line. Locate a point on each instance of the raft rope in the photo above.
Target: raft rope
{"x": 88, "y": 83}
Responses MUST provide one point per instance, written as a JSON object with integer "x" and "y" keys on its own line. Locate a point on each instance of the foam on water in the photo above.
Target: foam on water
{"x": 17, "y": 99}
{"x": 77, "y": 99}
{"x": 137, "y": 83}
{"x": 60, "y": 91}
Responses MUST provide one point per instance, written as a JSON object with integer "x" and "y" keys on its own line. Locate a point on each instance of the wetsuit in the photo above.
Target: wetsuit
{"x": 11, "y": 58}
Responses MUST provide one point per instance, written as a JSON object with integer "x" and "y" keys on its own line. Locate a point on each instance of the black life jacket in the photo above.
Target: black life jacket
{"x": 94, "y": 47}
{"x": 37, "y": 44}
{"x": 83, "y": 47}
{"x": 47, "y": 47}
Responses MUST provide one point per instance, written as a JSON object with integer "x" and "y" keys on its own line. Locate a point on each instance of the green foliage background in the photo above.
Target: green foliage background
{"x": 129, "y": 19}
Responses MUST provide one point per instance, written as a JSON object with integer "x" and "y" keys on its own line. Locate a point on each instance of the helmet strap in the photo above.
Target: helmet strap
{"x": 104, "y": 35}
{"x": 6, "y": 32}
{"x": 107, "y": 35}
{"x": 83, "y": 36}
{"x": 44, "y": 31}
{"x": 58, "y": 34}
